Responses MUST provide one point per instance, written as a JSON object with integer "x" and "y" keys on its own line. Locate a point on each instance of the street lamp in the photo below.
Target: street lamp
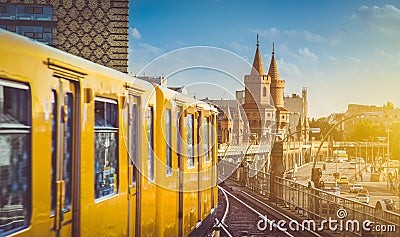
{"x": 334, "y": 126}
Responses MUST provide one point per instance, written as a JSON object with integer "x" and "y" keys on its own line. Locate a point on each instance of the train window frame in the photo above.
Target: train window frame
{"x": 189, "y": 125}
{"x": 206, "y": 139}
{"x": 179, "y": 139}
{"x": 150, "y": 143}
{"x": 16, "y": 98}
{"x": 168, "y": 139}
{"x": 68, "y": 150}
{"x": 54, "y": 135}
{"x": 134, "y": 133}
{"x": 111, "y": 173}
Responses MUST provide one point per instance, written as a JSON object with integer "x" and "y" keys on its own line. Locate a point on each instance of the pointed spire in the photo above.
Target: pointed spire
{"x": 258, "y": 41}
{"x": 273, "y": 69}
{"x": 273, "y": 48}
{"x": 227, "y": 114}
{"x": 257, "y": 62}
{"x": 238, "y": 114}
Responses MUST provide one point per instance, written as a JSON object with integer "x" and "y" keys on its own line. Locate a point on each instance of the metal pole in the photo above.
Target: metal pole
{"x": 355, "y": 168}
{"x": 372, "y": 155}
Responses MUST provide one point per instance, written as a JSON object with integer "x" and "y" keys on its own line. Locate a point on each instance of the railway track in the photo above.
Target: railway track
{"x": 245, "y": 215}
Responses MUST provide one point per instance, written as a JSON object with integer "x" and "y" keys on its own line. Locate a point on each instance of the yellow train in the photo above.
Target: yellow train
{"x": 89, "y": 151}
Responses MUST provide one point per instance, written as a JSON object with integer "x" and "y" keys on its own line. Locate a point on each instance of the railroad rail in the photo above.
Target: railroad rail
{"x": 246, "y": 215}
{"x": 301, "y": 202}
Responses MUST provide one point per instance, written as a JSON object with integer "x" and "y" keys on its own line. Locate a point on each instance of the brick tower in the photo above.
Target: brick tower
{"x": 257, "y": 105}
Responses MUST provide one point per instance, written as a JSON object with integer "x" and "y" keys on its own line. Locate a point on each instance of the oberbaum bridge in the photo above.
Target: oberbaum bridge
{"x": 262, "y": 141}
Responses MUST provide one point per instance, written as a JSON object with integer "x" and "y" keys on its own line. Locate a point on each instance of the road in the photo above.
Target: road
{"x": 377, "y": 190}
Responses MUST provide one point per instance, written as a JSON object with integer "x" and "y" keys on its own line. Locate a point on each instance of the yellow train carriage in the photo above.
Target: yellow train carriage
{"x": 61, "y": 126}
{"x": 83, "y": 149}
{"x": 206, "y": 169}
{"x": 180, "y": 168}
{"x": 141, "y": 102}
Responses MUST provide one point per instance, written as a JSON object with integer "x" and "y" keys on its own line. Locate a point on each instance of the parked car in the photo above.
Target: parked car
{"x": 331, "y": 187}
{"x": 364, "y": 191}
{"x": 355, "y": 188}
{"x": 342, "y": 180}
{"x": 340, "y": 160}
{"x": 390, "y": 205}
{"x": 353, "y": 161}
{"x": 330, "y": 159}
{"x": 362, "y": 197}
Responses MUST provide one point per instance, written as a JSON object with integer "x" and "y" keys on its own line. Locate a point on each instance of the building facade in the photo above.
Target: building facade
{"x": 91, "y": 29}
{"x": 261, "y": 109}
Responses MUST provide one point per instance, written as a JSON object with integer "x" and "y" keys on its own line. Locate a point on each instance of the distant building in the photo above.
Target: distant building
{"x": 298, "y": 106}
{"x": 154, "y": 79}
{"x": 259, "y": 104}
{"x": 95, "y": 30}
{"x": 385, "y": 115}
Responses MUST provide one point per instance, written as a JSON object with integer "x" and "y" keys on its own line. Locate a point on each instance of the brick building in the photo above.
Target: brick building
{"x": 92, "y": 29}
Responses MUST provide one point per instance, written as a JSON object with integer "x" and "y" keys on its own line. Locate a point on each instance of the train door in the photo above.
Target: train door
{"x": 133, "y": 194}
{"x": 199, "y": 164}
{"x": 65, "y": 161}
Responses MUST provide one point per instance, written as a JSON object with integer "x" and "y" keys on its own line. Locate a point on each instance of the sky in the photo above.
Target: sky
{"x": 343, "y": 51}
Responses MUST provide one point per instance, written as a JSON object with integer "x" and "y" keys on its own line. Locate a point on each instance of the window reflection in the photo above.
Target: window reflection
{"x": 150, "y": 148}
{"x": 190, "y": 140}
{"x": 168, "y": 138}
{"x": 105, "y": 147}
{"x": 15, "y": 158}
{"x": 28, "y": 12}
{"x": 33, "y": 21}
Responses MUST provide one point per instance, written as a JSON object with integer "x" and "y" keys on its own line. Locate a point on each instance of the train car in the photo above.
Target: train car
{"x": 176, "y": 162}
{"x": 82, "y": 149}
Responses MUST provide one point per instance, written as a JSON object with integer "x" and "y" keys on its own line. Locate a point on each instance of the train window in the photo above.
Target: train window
{"x": 54, "y": 152}
{"x": 212, "y": 128}
{"x": 178, "y": 135}
{"x": 68, "y": 136}
{"x": 105, "y": 147}
{"x": 15, "y": 156}
{"x": 133, "y": 128}
{"x": 190, "y": 140}
{"x": 150, "y": 150}
{"x": 206, "y": 140}
{"x": 168, "y": 138}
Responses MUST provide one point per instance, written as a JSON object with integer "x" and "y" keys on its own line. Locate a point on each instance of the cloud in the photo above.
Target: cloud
{"x": 354, "y": 59}
{"x": 312, "y": 37}
{"x": 307, "y": 55}
{"x": 150, "y": 48}
{"x": 288, "y": 70}
{"x": 134, "y": 33}
{"x": 238, "y": 47}
{"x": 384, "y": 20}
{"x": 270, "y": 33}
{"x": 332, "y": 58}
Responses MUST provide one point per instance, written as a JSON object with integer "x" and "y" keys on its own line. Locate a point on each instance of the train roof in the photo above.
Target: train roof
{"x": 16, "y": 43}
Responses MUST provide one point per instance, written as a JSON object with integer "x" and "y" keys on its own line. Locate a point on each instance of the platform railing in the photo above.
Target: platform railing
{"x": 321, "y": 206}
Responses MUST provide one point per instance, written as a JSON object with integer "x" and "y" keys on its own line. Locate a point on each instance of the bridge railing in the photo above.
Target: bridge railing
{"x": 348, "y": 216}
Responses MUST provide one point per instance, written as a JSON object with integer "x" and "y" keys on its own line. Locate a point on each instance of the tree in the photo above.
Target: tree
{"x": 395, "y": 141}
{"x": 364, "y": 129}
{"x": 324, "y": 124}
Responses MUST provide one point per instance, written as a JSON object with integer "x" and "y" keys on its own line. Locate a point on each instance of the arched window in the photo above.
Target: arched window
{"x": 265, "y": 91}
